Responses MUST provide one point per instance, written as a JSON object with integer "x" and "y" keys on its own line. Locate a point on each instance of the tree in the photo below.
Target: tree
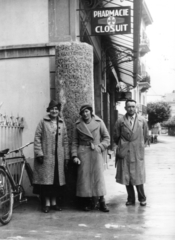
{"x": 158, "y": 112}
{"x": 169, "y": 123}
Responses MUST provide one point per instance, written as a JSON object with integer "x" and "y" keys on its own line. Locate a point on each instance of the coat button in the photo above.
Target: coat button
{"x": 59, "y": 133}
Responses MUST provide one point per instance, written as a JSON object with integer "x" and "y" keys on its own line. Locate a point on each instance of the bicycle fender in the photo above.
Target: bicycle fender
{"x": 2, "y": 167}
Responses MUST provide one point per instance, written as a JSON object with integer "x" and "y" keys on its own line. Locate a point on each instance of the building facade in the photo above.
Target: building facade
{"x": 48, "y": 51}
{"x": 139, "y": 91}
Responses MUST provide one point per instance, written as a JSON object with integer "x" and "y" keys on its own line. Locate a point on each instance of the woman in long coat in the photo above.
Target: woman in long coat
{"x": 51, "y": 157}
{"x": 90, "y": 140}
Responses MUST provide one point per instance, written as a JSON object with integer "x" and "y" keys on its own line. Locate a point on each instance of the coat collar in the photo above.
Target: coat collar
{"x": 47, "y": 118}
{"x": 126, "y": 122}
{"x": 82, "y": 127}
{"x": 96, "y": 118}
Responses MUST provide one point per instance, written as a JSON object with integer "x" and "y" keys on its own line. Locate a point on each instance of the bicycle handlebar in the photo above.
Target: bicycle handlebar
{"x": 19, "y": 149}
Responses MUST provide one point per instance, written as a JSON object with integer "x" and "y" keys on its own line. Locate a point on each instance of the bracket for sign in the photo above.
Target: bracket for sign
{"x": 87, "y": 6}
{"x": 117, "y": 53}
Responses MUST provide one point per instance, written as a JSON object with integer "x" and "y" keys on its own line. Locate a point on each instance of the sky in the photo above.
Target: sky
{"x": 161, "y": 58}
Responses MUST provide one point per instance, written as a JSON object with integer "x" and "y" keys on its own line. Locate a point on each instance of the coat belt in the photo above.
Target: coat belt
{"x": 84, "y": 143}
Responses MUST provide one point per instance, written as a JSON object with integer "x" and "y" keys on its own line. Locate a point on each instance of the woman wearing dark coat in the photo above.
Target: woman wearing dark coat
{"x": 90, "y": 141}
{"x": 51, "y": 153}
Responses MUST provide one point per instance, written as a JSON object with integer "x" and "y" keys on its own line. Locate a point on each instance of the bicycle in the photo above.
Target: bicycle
{"x": 11, "y": 188}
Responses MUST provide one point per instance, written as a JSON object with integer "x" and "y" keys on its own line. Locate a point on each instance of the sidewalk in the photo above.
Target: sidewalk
{"x": 153, "y": 222}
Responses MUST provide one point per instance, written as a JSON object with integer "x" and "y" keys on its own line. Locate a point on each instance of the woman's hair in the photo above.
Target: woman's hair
{"x": 52, "y": 104}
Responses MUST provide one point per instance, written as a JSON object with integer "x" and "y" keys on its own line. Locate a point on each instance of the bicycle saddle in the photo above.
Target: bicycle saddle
{"x": 3, "y": 152}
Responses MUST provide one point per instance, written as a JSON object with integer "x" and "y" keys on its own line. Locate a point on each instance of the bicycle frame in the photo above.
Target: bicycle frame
{"x": 13, "y": 184}
{"x": 11, "y": 187}
{"x": 4, "y": 166}
{"x": 11, "y": 178}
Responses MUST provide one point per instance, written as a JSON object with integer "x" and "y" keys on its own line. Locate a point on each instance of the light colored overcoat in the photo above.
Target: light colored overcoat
{"x": 130, "y": 150}
{"x": 90, "y": 181}
{"x": 44, "y": 145}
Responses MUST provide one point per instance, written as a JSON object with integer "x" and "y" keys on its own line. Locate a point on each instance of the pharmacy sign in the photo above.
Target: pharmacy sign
{"x": 109, "y": 21}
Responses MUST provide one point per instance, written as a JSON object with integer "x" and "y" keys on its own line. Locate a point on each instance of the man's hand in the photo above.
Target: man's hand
{"x": 40, "y": 159}
{"x": 77, "y": 160}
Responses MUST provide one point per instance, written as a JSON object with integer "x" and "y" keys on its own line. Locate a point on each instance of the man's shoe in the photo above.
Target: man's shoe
{"x": 103, "y": 207}
{"x": 46, "y": 209}
{"x": 128, "y": 203}
{"x": 143, "y": 204}
{"x": 56, "y": 208}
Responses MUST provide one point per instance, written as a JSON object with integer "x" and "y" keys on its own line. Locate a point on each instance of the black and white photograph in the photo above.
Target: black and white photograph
{"x": 87, "y": 119}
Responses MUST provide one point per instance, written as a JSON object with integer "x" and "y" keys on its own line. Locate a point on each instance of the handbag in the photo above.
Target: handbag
{"x": 120, "y": 152}
{"x": 119, "y": 155}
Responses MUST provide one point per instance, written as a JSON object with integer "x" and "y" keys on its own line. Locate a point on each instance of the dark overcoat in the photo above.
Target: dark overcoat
{"x": 130, "y": 150}
{"x": 44, "y": 145}
{"x": 90, "y": 181}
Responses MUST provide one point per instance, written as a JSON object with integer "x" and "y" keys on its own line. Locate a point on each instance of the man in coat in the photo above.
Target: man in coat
{"x": 90, "y": 140}
{"x": 130, "y": 135}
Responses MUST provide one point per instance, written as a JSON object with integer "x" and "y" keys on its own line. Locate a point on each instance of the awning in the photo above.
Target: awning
{"x": 124, "y": 51}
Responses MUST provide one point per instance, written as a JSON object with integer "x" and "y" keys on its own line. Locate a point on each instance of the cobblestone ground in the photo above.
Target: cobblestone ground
{"x": 153, "y": 222}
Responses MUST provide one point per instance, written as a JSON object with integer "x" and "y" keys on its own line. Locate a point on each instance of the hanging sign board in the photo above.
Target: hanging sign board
{"x": 122, "y": 96}
{"x": 107, "y": 21}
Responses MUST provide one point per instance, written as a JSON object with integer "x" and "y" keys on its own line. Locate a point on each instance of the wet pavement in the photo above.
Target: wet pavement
{"x": 153, "y": 222}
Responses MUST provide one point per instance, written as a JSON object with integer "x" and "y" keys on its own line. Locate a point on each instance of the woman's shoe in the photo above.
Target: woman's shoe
{"x": 103, "y": 207}
{"x": 56, "y": 208}
{"x": 86, "y": 209}
{"x": 87, "y": 204}
{"x": 46, "y": 209}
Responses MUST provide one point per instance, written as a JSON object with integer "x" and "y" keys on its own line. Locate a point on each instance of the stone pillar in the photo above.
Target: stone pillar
{"x": 74, "y": 79}
{"x": 74, "y": 86}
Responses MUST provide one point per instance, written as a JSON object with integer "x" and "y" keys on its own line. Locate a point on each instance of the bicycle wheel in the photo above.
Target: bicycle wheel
{"x": 6, "y": 198}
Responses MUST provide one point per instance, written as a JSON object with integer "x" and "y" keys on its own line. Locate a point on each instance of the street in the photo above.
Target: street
{"x": 155, "y": 221}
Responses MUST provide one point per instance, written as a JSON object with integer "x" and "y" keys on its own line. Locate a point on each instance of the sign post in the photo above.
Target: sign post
{"x": 122, "y": 96}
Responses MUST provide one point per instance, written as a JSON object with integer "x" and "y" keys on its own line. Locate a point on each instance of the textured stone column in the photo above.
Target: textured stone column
{"x": 74, "y": 79}
{"x": 74, "y": 87}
